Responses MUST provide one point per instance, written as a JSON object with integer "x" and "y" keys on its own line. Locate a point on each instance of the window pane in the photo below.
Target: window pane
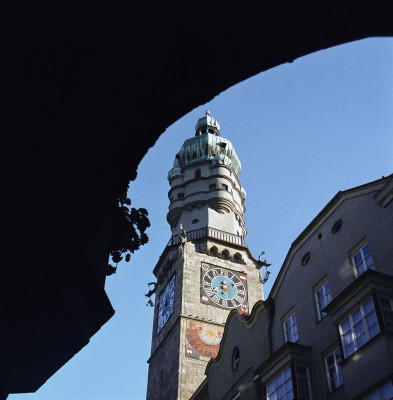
{"x": 371, "y": 320}
{"x": 366, "y": 249}
{"x": 361, "y": 340}
{"x": 347, "y": 338}
{"x": 373, "y": 396}
{"x": 295, "y": 331}
{"x": 349, "y": 349}
{"x": 369, "y": 262}
{"x": 330, "y": 360}
{"x": 368, "y": 306}
{"x": 361, "y": 269}
{"x": 359, "y": 329}
{"x": 356, "y": 316}
{"x": 357, "y": 257}
{"x": 338, "y": 355}
{"x": 287, "y": 374}
{"x": 345, "y": 325}
{"x": 374, "y": 330}
{"x": 270, "y": 387}
{"x": 387, "y": 391}
{"x": 328, "y": 298}
{"x": 323, "y": 303}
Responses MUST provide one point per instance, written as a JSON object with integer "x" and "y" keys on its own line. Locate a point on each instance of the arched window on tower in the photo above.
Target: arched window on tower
{"x": 213, "y": 251}
{"x": 198, "y": 173}
{"x": 237, "y": 258}
{"x": 225, "y": 255}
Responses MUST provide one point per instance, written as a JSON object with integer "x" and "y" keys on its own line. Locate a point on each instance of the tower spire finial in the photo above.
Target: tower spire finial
{"x": 207, "y": 112}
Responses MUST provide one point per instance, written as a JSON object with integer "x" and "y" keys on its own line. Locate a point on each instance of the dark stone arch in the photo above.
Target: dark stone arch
{"x": 90, "y": 99}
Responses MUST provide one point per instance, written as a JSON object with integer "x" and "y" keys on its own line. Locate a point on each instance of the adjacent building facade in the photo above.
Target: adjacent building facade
{"x": 326, "y": 329}
{"x": 206, "y": 270}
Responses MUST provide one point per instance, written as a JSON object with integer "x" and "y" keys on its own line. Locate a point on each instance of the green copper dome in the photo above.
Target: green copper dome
{"x": 206, "y": 145}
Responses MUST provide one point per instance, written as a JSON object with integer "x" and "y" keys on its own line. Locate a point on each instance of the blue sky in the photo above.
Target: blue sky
{"x": 303, "y": 131}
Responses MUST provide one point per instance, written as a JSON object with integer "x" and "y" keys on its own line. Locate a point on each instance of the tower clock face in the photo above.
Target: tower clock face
{"x": 223, "y": 288}
{"x": 165, "y": 308}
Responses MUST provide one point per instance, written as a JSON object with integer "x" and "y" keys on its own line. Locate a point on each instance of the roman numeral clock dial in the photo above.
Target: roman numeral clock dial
{"x": 223, "y": 288}
{"x": 165, "y": 309}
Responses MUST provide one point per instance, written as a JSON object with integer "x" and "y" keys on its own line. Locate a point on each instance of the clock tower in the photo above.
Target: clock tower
{"x": 206, "y": 269}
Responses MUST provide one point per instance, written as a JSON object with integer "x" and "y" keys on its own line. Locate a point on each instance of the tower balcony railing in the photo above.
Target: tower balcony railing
{"x": 210, "y": 233}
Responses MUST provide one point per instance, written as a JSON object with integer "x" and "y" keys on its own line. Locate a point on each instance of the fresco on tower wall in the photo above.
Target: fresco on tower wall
{"x": 224, "y": 288}
{"x": 202, "y": 339}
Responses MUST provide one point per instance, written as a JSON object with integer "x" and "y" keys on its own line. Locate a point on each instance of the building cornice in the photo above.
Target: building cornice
{"x": 385, "y": 195}
{"x": 371, "y": 279}
{"x": 207, "y": 178}
{"x": 203, "y": 201}
{"x": 294, "y": 351}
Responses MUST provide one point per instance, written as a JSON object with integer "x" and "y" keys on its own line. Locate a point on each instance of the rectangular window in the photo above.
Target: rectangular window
{"x": 212, "y": 186}
{"x": 385, "y": 392}
{"x": 290, "y": 329}
{"x": 282, "y": 386}
{"x": 333, "y": 370}
{"x": 302, "y": 382}
{"x": 387, "y": 312}
{"x": 322, "y": 298}
{"x": 180, "y": 196}
{"x": 224, "y": 186}
{"x": 362, "y": 259}
{"x": 359, "y": 328}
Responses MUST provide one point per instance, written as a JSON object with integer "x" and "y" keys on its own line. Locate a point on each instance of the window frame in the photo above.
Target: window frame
{"x": 337, "y": 368}
{"x": 289, "y": 317}
{"x": 351, "y": 329}
{"x": 235, "y": 359}
{"x": 378, "y": 391}
{"x": 381, "y": 310}
{"x": 275, "y": 379}
{"x": 321, "y": 314}
{"x": 294, "y": 378}
{"x": 359, "y": 249}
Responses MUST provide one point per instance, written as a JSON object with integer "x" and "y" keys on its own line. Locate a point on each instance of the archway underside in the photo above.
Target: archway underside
{"x": 89, "y": 93}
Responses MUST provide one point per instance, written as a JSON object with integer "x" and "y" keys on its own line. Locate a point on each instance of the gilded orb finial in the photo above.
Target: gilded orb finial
{"x": 207, "y": 112}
